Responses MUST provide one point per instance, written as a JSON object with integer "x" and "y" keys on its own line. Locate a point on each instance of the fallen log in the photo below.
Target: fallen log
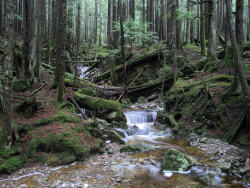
{"x": 129, "y": 64}
{"x": 48, "y": 66}
{"x": 92, "y": 67}
{"x": 149, "y": 85}
{"x": 245, "y": 47}
{"x": 97, "y": 103}
{"x": 72, "y": 100}
{"x": 37, "y": 90}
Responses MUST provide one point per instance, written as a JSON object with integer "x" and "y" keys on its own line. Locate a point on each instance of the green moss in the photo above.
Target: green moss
{"x": 87, "y": 91}
{"x": 65, "y": 141}
{"x": 42, "y": 122}
{"x": 11, "y": 164}
{"x": 97, "y": 103}
{"x": 21, "y": 85}
{"x": 65, "y": 118}
{"x": 58, "y": 158}
{"x": 174, "y": 160}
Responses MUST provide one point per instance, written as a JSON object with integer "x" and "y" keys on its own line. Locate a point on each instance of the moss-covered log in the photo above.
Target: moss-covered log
{"x": 150, "y": 85}
{"x": 96, "y": 103}
{"x": 131, "y": 63}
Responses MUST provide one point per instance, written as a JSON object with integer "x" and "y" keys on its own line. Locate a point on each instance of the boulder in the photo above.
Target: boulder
{"x": 133, "y": 148}
{"x": 116, "y": 116}
{"x": 174, "y": 160}
{"x": 141, "y": 100}
{"x": 114, "y": 136}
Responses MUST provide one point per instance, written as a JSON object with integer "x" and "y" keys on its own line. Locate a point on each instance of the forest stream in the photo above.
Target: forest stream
{"x": 142, "y": 169}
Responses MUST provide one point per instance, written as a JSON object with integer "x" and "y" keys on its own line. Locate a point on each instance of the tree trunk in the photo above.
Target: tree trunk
{"x": 156, "y": 17}
{"x": 248, "y": 28}
{"x": 162, "y": 14}
{"x": 132, "y": 9}
{"x": 7, "y": 76}
{"x": 86, "y": 20}
{"x": 54, "y": 19}
{"x": 191, "y": 25}
{"x": 239, "y": 22}
{"x": 109, "y": 23}
{"x": 96, "y": 14}
{"x": 100, "y": 16}
{"x": 122, "y": 40}
{"x": 202, "y": 29}
{"x": 174, "y": 56}
{"x": 188, "y": 25}
{"x": 40, "y": 33}
{"x": 28, "y": 33}
{"x": 151, "y": 15}
{"x": 1, "y": 15}
{"x": 115, "y": 33}
{"x": 178, "y": 28}
{"x": 169, "y": 24}
{"x": 212, "y": 50}
{"x": 49, "y": 32}
{"x": 236, "y": 52}
{"x": 62, "y": 9}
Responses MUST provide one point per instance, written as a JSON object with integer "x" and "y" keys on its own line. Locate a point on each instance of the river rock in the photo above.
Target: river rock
{"x": 114, "y": 136}
{"x": 116, "y": 116}
{"x": 174, "y": 160}
{"x": 133, "y": 148}
{"x": 141, "y": 100}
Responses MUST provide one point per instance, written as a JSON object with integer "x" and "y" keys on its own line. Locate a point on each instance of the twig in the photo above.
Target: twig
{"x": 37, "y": 90}
{"x": 77, "y": 106}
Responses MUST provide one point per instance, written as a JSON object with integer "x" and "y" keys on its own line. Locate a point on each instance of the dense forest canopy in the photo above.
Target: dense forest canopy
{"x": 66, "y": 64}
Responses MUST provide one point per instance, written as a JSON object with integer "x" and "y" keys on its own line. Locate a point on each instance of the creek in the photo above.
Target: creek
{"x": 142, "y": 169}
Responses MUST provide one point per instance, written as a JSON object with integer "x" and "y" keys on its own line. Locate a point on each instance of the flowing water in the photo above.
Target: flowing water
{"x": 142, "y": 170}
{"x": 81, "y": 71}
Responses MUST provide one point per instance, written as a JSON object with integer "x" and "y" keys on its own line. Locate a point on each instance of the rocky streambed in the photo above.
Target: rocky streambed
{"x": 138, "y": 163}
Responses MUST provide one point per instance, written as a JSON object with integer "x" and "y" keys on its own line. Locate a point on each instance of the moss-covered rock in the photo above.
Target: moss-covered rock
{"x": 21, "y": 85}
{"x": 59, "y": 143}
{"x": 62, "y": 117}
{"x": 174, "y": 160}
{"x": 133, "y": 148}
{"x": 115, "y": 136}
{"x": 141, "y": 100}
{"x": 97, "y": 103}
{"x": 116, "y": 116}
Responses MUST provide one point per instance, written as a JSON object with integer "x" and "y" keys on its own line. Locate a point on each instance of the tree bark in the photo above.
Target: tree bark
{"x": 109, "y": 23}
{"x": 40, "y": 33}
{"x": 28, "y": 33}
{"x": 248, "y": 28}
{"x": 188, "y": 25}
{"x": 239, "y": 22}
{"x": 122, "y": 39}
{"x": 62, "y": 9}
{"x": 236, "y": 52}
{"x": 7, "y": 76}
{"x": 162, "y": 14}
{"x": 212, "y": 48}
{"x": 86, "y": 20}
{"x": 1, "y": 15}
{"x": 174, "y": 56}
{"x": 96, "y": 14}
{"x": 202, "y": 29}
{"x": 178, "y": 28}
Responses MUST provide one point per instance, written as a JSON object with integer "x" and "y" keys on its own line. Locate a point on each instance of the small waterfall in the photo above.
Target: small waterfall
{"x": 141, "y": 117}
{"x": 81, "y": 71}
{"x": 140, "y": 122}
